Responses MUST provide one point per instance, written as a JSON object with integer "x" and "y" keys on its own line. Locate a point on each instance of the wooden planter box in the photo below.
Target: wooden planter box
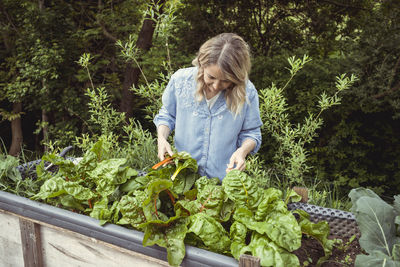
{"x": 37, "y": 234}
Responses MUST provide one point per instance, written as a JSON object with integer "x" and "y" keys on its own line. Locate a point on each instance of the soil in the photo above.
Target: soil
{"x": 342, "y": 255}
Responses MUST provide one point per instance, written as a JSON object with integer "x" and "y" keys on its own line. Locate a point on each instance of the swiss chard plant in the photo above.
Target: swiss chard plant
{"x": 174, "y": 206}
{"x": 378, "y": 222}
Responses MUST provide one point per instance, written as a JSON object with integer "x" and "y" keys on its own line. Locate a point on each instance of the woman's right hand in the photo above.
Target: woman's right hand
{"x": 163, "y": 148}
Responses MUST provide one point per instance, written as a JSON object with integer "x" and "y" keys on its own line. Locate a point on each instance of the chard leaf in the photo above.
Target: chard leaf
{"x": 97, "y": 150}
{"x": 214, "y": 202}
{"x": 191, "y": 194}
{"x": 269, "y": 253}
{"x": 131, "y": 209}
{"x": 66, "y": 167}
{"x": 103, "y": 212}
{"x": 320, "y": 231}
{"x": 284, "y": 230}
{"x": 108, "y": 174}
{"x": 182, "y": 161}
{"x": 281, "y": 228}
{"x": 51, "y": 188}
{"x": 270, "y": 195}
{"x": 241, "y": 189}
{"x": 188, "y": 206}
{"x": 70, "y": 202}
{"x": 163, "y": 173}
{"x": 87, "y": 163}
{"x": 184, "y": 182}
{"x": 78, "y": 191}
{"x": 107, "y": 170}
{"x": 376, "y": 221}
{"x": 171, "y": 238}
{"x": 211, "y": 232}
{"x": 135, "y": 183}
{"x": 292, "y": 196}
{"x": 203, "y": 181}
{"x": 124, "y": 174}
{"x": 153, "y": 190}
{"x": 238, "y": 233}
{"x": 211, "y": 200}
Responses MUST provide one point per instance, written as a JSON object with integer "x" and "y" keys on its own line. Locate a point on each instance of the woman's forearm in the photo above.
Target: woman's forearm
{"x": 247, "y": 146}
{"x": 163, "y": 146}
{"x": 163, "y": 132}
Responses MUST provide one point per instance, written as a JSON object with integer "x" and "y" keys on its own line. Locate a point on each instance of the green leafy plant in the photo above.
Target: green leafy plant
{"x": 174, "y": 206}
{"x": 12, "y": 181}
{"x": 151, "y": 90}
{"x": 121, "y": 138}
{"x": 290, "y": 158}
{"x": 378, "y": 222}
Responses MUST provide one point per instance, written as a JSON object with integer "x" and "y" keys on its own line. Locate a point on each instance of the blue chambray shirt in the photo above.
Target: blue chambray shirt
{"x": 210, "y": 136}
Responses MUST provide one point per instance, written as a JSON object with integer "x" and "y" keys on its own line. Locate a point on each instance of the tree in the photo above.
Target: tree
{"x": 143, "y": 43}
{"x": 31, "y": 63}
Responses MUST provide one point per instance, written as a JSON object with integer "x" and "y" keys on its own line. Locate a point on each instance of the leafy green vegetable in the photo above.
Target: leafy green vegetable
{"x": 172, "y": 205}
{"x": 281, "y": 228}
{"x": 269, "y": 253}
{"x": 103, "y": 212}
{"x": 182, "y": 161}
{"x": 131, "y": 209}
{"x": 211, "y": 200}
{"x": 242, "y": 190}
{"x": 171, "y": 235}
{"x": 137, "y": 183}
{"x": 150, "y": 206}
{"x": 238, "y": 234}
{"x": 210, "y": 231}
{"x": 319, "y": 231}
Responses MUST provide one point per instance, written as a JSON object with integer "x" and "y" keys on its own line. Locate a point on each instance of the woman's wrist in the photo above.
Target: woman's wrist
{"x": 247, "y": 146}
{"x": 162, "y": 132}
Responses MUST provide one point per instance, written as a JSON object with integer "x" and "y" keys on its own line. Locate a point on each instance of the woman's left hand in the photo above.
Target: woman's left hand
{"x": 238, "y": 158}
{"x": 237, "y": 161}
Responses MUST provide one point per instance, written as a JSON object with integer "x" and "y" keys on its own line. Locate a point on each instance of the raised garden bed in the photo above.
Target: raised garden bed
{"x": 37, "y": 234}
{"x": 47, "y": 220}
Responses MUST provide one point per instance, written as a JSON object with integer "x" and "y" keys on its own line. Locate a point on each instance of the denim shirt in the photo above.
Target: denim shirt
{"x": 209, "y": 136}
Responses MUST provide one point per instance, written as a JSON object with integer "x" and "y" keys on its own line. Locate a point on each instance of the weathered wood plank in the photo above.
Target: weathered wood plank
{"x": 31, "y": 243}
{"x": 249, "y": 261}
{"x": 10, "y": 241}
{"x": 64, "y": 248}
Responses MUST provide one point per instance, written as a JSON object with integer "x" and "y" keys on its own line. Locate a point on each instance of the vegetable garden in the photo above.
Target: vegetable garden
{"x": 175, "y": 207}
{"x": 91, "y": 75}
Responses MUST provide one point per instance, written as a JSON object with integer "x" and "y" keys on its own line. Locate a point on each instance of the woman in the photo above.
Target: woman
{"x": 213, "y": 108}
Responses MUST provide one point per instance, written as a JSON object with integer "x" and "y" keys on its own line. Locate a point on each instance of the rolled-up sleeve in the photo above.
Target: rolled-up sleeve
{"x": 252, "y": 122}
{"x": 167, "y": 113}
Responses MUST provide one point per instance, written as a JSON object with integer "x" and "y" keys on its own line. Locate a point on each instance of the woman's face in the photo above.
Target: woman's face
{"x": 215, "y": 80}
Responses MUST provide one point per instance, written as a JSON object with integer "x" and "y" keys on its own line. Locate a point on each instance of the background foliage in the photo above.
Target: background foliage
{"x": 358, "y": 144}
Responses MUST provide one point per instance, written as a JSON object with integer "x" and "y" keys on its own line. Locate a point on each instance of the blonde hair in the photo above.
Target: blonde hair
{"x": 232, "y": 55}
